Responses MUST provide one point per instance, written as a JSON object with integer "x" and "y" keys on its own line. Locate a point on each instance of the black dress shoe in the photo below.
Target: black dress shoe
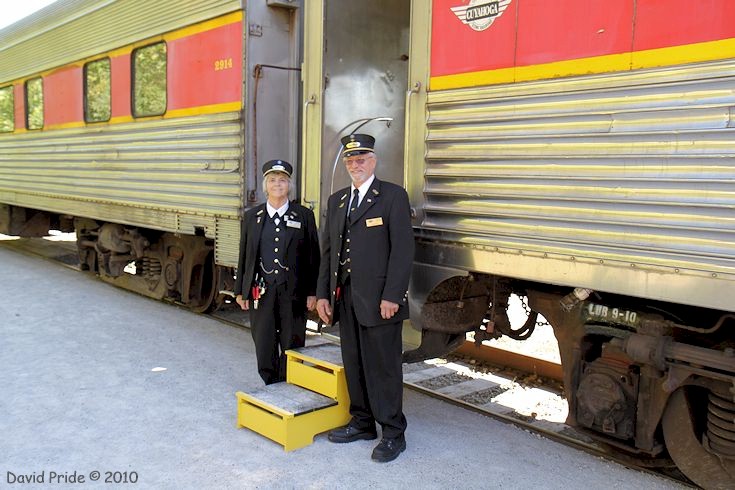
{"x": 349, "y": 433}
{"x": 389, "y": 449}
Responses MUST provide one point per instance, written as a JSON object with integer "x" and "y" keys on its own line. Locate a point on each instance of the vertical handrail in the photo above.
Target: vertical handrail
{"x": 305, "y": 119}
{"x": 407, "y": 124}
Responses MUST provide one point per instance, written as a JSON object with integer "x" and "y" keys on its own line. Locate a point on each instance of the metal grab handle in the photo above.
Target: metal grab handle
{"x": 312, "y": 100}
{"x": 413, "y": 90}
{"x": 406, "y": 135}
{"x": 309, "y": 101}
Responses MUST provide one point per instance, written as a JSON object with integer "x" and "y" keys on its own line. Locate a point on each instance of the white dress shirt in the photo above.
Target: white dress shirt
{"x": 280, "y": 211}
{"x": 362, "y": 190}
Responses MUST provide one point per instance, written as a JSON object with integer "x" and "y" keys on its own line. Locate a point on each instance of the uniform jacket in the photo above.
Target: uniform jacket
{"x": 381, "y": 251}
{"x": 302, "y": 252}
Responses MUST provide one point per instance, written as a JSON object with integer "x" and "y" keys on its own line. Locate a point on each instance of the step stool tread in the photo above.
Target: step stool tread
{"x": 291, "y": 398}
{"x": 327, "y": 352}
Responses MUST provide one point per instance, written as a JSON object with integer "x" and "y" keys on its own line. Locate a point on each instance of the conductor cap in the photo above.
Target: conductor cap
{"x": 277, "y": 166}
{"x": 356, "y": 144}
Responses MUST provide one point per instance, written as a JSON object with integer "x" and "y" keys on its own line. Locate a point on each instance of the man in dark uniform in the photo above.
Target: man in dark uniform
{"x": 277, "y": 271}
{"x": 363, "y": 279}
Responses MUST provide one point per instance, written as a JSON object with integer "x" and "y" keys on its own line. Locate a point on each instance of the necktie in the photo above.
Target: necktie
{"x": 353, "y": 204}
{"x": 344, "y": 261}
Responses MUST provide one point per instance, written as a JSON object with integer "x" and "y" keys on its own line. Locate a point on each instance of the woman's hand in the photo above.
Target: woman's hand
{"x": 244, "y": 303}
{"x": 310, "y": 303}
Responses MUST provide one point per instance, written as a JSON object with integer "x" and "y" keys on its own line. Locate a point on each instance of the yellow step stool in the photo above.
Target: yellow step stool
{"x": 313, "y": 399}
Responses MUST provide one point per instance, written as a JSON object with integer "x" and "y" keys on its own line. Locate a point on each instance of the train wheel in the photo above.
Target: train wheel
{"x": 203, "y": 286}
{"x": 685, "y": 448}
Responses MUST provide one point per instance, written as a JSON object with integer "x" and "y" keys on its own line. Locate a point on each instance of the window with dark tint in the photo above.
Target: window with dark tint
{"x": 97, "y": 91}
{"x": 34, "y": 103}
{"x": 149, "y": 80}
{"x": 7, "y": 110}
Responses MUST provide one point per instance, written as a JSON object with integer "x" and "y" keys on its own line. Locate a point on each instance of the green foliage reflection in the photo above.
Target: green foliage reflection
{"x": 7, "y": 110}
{"x": 97, "y": 83}
{"x": 149, "y": 84}
{"x": 34, "y": 103}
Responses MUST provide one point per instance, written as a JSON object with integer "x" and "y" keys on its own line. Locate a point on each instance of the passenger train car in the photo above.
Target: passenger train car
{"x": 579, "y": 154}
{"x": 126, "y": 121}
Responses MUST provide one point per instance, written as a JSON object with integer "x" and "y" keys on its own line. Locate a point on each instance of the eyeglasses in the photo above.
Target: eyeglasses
{"x": 357, "y": 161}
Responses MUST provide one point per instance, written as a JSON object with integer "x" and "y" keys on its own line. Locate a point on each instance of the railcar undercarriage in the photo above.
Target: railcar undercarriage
{"x": 160, "y": 265}
{"x": 644, "y": 378}
{"x": 164, "y": 266}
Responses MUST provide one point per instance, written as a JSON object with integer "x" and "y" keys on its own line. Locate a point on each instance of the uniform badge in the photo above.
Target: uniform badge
{"x": 293, "y": 224}
{"x": 374, "y": 221}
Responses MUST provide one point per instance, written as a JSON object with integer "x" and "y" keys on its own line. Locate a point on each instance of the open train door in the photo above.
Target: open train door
{"x": 355, "y": 75}
{"x": 365, "y": 70}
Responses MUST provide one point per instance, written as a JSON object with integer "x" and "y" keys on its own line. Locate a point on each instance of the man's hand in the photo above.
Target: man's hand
{"x": 324, "y": 311}
{"x": 244, "y": 303}
{"x": 388, "y": 309}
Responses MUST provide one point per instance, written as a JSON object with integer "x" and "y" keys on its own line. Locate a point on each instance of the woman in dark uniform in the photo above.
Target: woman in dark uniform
{"x": 277, "y": 271}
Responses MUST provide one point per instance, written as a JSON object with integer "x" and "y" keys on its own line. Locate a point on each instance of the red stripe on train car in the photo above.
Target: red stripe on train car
{"x": 120, "y": 85}
{"x": 664, "y": 23}
{"x": 205, "y": 68}
{"x": 20, "y": 107}
{"x": 563, "y": 30}
{"x": 62, "y": 93}
{"x": 571, "y": 29}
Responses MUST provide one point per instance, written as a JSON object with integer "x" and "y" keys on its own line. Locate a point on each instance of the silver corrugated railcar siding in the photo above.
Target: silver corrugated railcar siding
{"x": 70, "y": 30}
{"x": 632, "y": 170}
{"x": 228, "y": 242}
{"x": 171, "y": 174}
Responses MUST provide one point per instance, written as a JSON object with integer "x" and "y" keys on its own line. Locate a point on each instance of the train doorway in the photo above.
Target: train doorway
{"x": 355, "y": 79}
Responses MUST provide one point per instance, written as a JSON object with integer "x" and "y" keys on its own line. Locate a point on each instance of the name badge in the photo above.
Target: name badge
{"x": 293, "y": 224}
{"x": 374, "y": 221}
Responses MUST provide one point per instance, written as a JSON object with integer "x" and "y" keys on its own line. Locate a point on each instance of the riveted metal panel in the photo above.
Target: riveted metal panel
{"x": 172, "y": 174}
{"x": 635, "y": 170}
{"x": 70, "y": 30}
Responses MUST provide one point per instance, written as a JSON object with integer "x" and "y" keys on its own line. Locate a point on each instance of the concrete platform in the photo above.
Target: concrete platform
{"x": 93, "y": 378}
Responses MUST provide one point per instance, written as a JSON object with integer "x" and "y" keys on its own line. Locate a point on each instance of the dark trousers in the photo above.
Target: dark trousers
{"x": 277, "y": 325}
{"x": 372, "y": 360}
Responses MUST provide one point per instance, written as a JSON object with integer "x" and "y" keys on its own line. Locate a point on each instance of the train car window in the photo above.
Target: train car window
{"x": 7, "y": 110}
{"x": 149, "y": 80}
{"x": 34, "y": 103}
{"x": 97, "y": 106}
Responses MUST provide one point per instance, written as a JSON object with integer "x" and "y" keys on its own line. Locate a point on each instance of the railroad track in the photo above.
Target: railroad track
{"x": 528, "y": 394}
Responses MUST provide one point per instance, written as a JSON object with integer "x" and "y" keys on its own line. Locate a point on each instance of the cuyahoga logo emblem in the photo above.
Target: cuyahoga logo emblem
{"x": 480, "y": 14}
